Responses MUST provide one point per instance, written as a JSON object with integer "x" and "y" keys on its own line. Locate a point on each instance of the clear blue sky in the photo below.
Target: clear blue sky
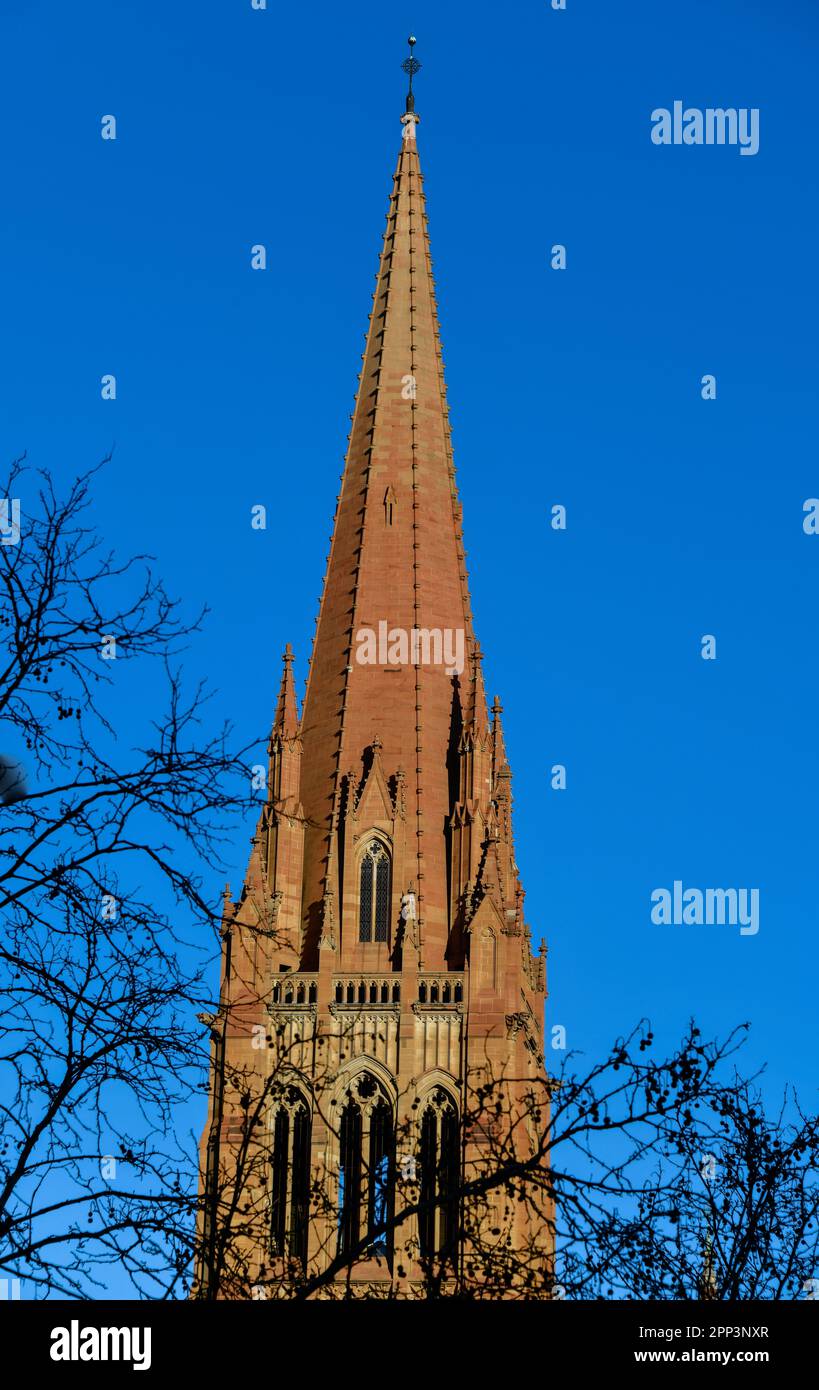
{"x": 580, "y": 388}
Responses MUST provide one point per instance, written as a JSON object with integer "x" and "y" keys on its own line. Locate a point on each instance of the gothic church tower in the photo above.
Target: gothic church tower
{"x": 380, "y": 1031}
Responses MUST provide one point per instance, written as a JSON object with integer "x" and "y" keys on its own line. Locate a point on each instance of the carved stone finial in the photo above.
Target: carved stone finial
{"x": 327, "y": 939}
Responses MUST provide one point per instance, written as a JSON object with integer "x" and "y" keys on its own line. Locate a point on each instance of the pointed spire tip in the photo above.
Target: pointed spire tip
{"x": 410, "y": 66}
{"x": 286, "y": 719}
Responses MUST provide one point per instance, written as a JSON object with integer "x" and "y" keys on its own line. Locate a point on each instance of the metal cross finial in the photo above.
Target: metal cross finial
{"x": 411, "y": 66}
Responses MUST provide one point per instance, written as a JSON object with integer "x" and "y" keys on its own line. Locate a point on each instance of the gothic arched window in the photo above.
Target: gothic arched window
{"x": 366, "y": 1170}
{"x": 440, "y": 1170}
{"x": 291, "y": 1176}
{"x": 374, "y": 893}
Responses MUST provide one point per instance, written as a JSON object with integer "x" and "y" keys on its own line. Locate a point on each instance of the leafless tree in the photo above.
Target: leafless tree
{"x": 106, "y": 927}
{"x": 648, "y": 1177}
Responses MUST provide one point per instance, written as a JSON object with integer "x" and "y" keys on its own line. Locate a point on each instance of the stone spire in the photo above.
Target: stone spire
{"x": 379, "y": 946}
{"x": 396, "y": 566}
{"x": 500, "y": 762}
{"x": 286, "y": 721}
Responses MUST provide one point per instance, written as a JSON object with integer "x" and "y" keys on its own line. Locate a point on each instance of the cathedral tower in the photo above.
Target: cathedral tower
{"x": 378, "y": 1049}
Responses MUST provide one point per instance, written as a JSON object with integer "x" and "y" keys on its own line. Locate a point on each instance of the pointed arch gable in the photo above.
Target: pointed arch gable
{"x": 352, "y": 1068}
{"x": 437, "y": 1077}
{"x": 485, "y": 935}
{"x": 375, "y": 804}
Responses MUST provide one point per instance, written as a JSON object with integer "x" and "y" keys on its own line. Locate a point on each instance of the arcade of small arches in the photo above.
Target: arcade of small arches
{"x": 363, "y": 991}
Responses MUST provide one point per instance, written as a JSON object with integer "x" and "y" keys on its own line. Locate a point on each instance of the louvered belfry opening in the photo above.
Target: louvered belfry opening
{"x": 349, "y": 1178}
{"x": 380, "y": 1178}
{"x": 366, "y": 1171}
{"x": 300, "y": 1200}
{"x": 290, "y": 1177}
{"x": 281, "y": 1137}
{"x": 440, "y": 1169}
